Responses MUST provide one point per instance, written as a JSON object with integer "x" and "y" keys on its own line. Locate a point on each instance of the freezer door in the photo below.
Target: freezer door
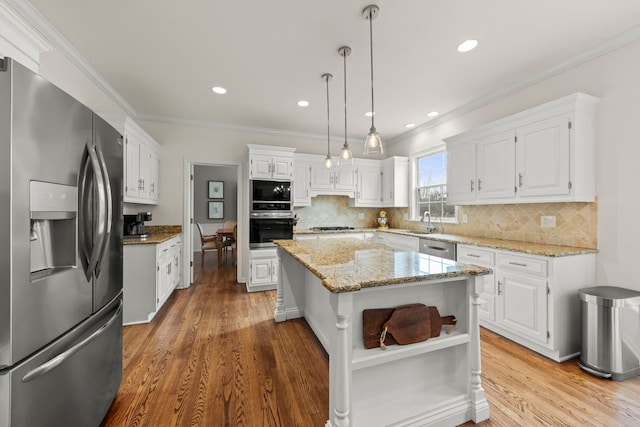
{"x": 72, "y": 382}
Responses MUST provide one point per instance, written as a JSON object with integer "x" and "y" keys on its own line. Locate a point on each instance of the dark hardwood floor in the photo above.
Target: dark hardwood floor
{"x": 214, "y": 357}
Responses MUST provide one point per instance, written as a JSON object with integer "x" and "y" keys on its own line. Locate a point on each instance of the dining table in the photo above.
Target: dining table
{"x": 223, "y": 234}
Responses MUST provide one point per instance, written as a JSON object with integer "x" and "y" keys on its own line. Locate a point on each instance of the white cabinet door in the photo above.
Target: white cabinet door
{"x": 321, "y": 177}
{"x": 495, "y": 164}
{"x": 405, "y": 243}
{"x": 301, "y": 184}
{"x": 345, "y": 178}
{"x": 543, "y": 158}
{"x": 264, "y": 166}
{"x": 132, "y": 167}
{"x": 483, "y": 258}
{"x": 262, "y": 271}
{"x": 523, "y": 305}
{"x": 260, "y": 166}
{"x": 461, "y": 173}
{"x": 153, "y": 176}
{"x": 369, "y": 191}
{"x": 282, "y": 167}
{"x": 395, "y": 182}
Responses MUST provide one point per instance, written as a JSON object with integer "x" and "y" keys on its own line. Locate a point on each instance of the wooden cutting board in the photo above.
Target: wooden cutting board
{"x": 409, "y": 325}
{"x": 373, "y": 321}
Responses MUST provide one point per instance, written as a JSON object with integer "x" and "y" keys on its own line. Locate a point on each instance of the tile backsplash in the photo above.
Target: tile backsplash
{"x": 576, "y": 223}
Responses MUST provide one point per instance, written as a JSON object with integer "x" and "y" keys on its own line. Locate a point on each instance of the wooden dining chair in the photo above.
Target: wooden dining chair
{"x": 208, "y": 243}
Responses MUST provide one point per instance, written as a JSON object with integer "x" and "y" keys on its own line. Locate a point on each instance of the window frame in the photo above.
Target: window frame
{"x": 414, "y": 180}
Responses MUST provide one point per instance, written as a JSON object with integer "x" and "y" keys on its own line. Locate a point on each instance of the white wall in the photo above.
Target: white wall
{"x": 614, "y": 78}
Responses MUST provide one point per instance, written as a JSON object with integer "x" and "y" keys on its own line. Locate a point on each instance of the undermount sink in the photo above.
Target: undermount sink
{"x": 416, "y": 232}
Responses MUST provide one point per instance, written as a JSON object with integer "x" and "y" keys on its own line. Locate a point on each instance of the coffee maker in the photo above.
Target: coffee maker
{"x": 134, "y": 225}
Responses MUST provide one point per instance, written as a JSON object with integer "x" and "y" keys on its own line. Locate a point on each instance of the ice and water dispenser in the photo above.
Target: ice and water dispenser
{"x": 53, "y": 210}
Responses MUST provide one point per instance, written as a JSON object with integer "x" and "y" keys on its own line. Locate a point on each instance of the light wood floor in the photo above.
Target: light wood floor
{"x": 214, "y": 357}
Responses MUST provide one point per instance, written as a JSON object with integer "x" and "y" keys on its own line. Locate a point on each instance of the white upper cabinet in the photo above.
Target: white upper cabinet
{"x": 141, "y": 164}
{"x": 369, "y": 184}
{"x": 301, "y": 182}
{"x": 267, "y": 162}
{"x": 545, "y": 154}
{"x": 395, "y": 182}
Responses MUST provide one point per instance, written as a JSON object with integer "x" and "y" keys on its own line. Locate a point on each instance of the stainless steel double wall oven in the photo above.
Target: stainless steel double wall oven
{"x": 271, "y": 212}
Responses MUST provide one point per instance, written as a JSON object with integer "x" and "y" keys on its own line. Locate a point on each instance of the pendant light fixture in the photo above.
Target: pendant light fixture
{"x": 328, "y": 162}
{"x": 346, "y": 157}
{"x": 373, "y": 143}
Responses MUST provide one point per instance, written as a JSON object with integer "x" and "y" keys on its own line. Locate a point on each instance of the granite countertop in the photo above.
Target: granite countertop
{"x": 508, "y": 245}
{"x": 157, "y": 234}
{"x": 353, "y": 230}
{"x": 153, "y": 239}
{"x": 349, "y": 264}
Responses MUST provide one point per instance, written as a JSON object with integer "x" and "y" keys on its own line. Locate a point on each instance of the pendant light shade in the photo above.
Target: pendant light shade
{"x": 346, "y": 157}
{"x": 373, "y": 143}
{"x": 328, "y": 162}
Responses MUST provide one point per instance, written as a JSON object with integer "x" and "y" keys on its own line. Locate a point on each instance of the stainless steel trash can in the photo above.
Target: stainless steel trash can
{"x": 610, "y": 321}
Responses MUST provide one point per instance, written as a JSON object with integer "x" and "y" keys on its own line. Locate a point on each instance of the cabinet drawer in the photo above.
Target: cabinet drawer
{"x": 523, "y": 264}
{"x": 476, "y": 256}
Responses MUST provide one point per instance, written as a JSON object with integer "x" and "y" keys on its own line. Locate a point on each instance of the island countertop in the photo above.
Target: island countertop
{"x": 347, "y": 265}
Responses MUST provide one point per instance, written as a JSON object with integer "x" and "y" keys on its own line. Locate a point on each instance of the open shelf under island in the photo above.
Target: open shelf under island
{"x": 434, "y": 382}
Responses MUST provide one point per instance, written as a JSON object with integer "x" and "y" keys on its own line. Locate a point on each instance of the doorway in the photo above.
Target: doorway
{"x": 226, "y": 201}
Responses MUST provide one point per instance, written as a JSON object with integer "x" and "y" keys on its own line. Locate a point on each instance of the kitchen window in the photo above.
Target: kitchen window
{"x": 429, "y": 183}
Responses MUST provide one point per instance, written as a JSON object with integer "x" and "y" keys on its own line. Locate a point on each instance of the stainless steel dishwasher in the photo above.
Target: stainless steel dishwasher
{"x": 445, "y": 250}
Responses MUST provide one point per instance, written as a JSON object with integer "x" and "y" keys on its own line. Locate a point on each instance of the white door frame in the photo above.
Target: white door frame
{"x": 187, "y": 219}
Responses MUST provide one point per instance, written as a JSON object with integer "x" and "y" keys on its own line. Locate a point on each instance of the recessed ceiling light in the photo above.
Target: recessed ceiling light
{"x": 219, "y": 90}
{"x": 467, "y": 45}
{"x": 303, "y": 103}
{"x": 409, "y": 125}
{"x": 369, "y": 114}
{"x": 433, "y": 114}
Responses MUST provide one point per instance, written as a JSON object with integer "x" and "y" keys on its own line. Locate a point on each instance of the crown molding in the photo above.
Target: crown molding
{"x": 57, "y": 40}
{"x": 19, "y": 41}
{"x": 604, "y": 48}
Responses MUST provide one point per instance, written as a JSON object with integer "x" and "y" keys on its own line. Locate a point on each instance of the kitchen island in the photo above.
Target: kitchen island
{"x": 437, "y": 381}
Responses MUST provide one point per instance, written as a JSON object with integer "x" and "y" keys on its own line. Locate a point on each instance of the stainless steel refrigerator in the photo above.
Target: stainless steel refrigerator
{"x": 60, "y": 256}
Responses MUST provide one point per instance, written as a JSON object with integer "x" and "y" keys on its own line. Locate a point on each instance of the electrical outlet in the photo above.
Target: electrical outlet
{"x": 548, "y": 221}
{"x": 405, "y": 216}
{"x": 360, "y": 216}
{"x": 465, "y": 218}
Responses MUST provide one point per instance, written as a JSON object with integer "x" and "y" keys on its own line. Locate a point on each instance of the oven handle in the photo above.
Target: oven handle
{"x": 271, "y": 215}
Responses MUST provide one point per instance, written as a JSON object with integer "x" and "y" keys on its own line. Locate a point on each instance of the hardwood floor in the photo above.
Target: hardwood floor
{"x": 214, "y": 357}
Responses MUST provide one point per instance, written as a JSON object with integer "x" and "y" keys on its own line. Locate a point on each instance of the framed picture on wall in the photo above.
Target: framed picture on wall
{"x": 216, "y": 210}
{"x": 216, "y": 189}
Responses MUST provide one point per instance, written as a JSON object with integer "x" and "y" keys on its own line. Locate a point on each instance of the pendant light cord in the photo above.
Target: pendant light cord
{"x": 371, "y": 46}
{"x": 344, "y": 56}
{"x": 328, "y": 137}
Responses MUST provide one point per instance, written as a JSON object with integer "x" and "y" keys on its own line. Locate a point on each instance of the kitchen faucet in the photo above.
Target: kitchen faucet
{"x": 430, "y": 227}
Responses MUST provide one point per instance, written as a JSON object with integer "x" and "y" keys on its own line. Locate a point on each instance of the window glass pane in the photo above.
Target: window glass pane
{"x": 438, "y": 177}
{"x": 431, "y": 192}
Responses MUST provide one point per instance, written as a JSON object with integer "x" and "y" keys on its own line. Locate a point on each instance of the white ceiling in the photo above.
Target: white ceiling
{"x": 163, "y": 57}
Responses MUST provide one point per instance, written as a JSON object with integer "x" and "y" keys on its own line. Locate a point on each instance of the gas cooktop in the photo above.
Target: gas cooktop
{"x": 331, "y": 228}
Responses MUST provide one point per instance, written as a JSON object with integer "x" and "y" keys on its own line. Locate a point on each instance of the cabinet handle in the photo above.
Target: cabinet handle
{"x": 471, "y": 185}
{"x": 519, "y": 180}
{"x": 499, "y": 287}
{"x": 473, "y": 255}
{"x": 479, "y": 184}
{"x": 519, "y": 264}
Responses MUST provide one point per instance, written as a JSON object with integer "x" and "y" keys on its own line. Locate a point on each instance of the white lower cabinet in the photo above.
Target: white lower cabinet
{"x": 146, "y": 288}
{"x": 533, "y": 300}
{"x": 484, "y": 258}
{"x": 264, "y": 269}
{"x": 405, "y": 243}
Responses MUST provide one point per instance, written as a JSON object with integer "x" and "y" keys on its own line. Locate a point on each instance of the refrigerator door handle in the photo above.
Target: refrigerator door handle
{"x": 85, "y": 188}
{"x": 107, "y": 209}
{"x": 96, "y": 250}
{"x": 54, "y": 362}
